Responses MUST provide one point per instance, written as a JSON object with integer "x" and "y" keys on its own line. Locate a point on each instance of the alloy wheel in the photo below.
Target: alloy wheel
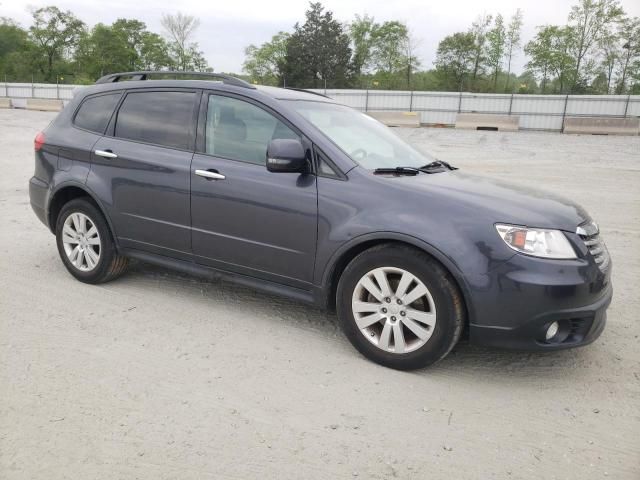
{"x": 81, "y": 241}
{"x": 394, "y": 309}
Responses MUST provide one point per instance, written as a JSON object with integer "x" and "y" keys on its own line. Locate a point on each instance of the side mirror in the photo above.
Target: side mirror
{"x": 286, "y": 155}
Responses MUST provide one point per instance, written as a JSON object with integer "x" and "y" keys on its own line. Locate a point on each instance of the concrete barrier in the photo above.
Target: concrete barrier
{"x": 5, "y": 102}
{"x": 488, "y": 121}
{"x": 397, "y": 119}
{"x": 45, "y": 105}
{"x": 602, "y": 125}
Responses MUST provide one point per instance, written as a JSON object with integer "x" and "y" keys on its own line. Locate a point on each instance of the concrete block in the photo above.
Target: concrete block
{"x": 397, "y": 119}
{"x": 488, "y": 121}
{"x": 5, "y": 102}
{"x": 45, "y": 105}
{"x": 602, "y": 125}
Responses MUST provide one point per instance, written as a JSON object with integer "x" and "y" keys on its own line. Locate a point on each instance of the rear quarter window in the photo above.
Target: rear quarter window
{"x": 95, "y": 112}
{"x": 160, "y": 118}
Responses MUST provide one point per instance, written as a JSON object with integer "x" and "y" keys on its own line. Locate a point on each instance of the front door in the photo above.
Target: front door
{"x": 246, "y": 219}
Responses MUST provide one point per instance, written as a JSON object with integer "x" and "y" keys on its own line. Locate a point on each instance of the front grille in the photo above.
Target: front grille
{"x": 590, "y": 235}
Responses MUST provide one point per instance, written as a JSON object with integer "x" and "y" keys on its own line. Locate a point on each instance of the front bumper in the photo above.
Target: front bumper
{"x": 521, "y": 298}
{"x": 584, "y": 325}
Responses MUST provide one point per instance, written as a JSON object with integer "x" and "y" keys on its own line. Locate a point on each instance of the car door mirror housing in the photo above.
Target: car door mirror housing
{"x": 286, "y": 155}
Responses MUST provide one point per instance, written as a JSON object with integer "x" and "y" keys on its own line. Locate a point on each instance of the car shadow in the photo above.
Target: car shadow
{"x": 484, "y": 364}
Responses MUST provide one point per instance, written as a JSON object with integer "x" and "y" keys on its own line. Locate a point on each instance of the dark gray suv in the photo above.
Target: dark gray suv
{"x": 292, "y": 193}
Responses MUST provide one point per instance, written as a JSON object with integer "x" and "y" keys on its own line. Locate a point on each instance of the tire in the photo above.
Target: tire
{"x": 440, "y": 310}
{"x": 104, "y": 264}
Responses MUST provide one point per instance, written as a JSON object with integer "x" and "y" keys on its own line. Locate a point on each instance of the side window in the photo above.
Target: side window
{"x": 325, "y": 167}
{"x": 239, "y": 130}
{"x": 95, "y": 112}
{"x": 162, "y": 118}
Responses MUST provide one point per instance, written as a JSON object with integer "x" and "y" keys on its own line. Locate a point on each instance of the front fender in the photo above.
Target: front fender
{"x": 326, "y": 276}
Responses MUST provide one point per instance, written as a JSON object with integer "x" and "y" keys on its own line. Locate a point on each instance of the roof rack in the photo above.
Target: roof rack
{"x": 307, "y": 91}
{"x": 144, "y": 75}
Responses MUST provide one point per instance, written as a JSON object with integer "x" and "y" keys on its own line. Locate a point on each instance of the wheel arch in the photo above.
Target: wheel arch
{"x": 349, "y": 251}
{"x": 68, "y": 191}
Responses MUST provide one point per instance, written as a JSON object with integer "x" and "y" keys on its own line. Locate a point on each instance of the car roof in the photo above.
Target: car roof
{"x": 272, "y": 92}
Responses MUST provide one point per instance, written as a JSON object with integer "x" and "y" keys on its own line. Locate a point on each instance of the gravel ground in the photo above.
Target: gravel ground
{"x": 164, "y": 376}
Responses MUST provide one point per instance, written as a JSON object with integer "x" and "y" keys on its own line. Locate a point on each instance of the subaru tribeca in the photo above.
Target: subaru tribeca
{"x": 291, "y": 193}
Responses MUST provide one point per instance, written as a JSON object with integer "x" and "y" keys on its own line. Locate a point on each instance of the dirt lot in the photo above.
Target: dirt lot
{"x": 163, "y": 376}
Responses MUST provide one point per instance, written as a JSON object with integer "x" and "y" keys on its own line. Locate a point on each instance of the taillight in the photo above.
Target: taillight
{"x": 38, "y": 142}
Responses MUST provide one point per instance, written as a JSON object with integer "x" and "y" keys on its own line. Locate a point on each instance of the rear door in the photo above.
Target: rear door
{"x": 141, "y": 169}
{"x": 250, "y": 220}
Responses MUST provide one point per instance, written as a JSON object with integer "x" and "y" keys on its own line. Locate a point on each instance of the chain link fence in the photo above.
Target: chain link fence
{"x": 536, "y": 112}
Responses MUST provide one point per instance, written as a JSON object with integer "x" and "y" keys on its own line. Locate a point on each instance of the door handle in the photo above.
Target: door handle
{"x": 105, "y": 153}
{"x": 210, "y": 175}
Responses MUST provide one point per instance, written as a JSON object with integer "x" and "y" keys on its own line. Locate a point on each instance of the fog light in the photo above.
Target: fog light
{"x": 552, "y": 331}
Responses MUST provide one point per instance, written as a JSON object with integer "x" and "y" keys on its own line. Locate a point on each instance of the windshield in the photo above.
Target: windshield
{"x": 365, "y": 140}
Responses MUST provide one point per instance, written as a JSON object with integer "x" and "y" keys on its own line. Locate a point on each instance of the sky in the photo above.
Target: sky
{"x": 226, "y": 28}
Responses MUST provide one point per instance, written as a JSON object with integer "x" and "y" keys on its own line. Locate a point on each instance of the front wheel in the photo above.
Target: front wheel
{"x": 399, "y": 307}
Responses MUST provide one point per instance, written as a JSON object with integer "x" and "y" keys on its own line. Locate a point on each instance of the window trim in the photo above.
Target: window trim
{"x": 110, "y": 132}
{"x": 202, "y": 123}
{"x": 95, "y": 95}
{"x": 338, "y": 174}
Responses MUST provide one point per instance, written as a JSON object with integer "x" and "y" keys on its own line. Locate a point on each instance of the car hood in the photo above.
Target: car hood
{"x": 501, "y": 201}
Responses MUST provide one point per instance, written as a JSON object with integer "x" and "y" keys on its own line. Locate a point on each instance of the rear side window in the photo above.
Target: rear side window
{"x": 161, "y": 118}
{"x": 95, "y": 112}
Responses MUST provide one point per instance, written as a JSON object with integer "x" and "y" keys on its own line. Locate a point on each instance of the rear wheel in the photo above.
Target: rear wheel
{"x": 85, "y": 244}
{"x": 399, "y": 307}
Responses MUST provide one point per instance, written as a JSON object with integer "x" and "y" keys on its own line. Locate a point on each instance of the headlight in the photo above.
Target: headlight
{"x": 536, "y": 242}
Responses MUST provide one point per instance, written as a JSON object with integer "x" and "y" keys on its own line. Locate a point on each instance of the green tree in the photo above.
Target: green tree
{"x": 124, "y": 45}
{"x": 266, "y": 62}
{"x": 410, "y": 57}
{"x": 361, "y": 31}
{"x": 55, "y": 35}
{"x": 588, "y": 22}
{"x": 549, "y": 56}
{"x": 14, "y": 46}
{"x": 455, "y": 59}
{"x": 526, "y": 83}
{"x": 600, "y": 84}
{"x": 496, "y": 38}
{"x": 389, "y": 40}
{"x": 512, "y": 41}
{"x": 609, "y": 47}
{"x": 629, "y": 56}
{"x": 479, "y": 30}
{"x": 540, "y": 53}
{"x": 196, "y": 60}
{"x": 153, "y": 52}
{"x": 102, "y": 51}
{"x": 147, "y": 50}
{"x": 318, "y": 52}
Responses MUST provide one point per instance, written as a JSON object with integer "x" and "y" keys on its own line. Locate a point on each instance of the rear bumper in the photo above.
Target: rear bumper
{"x": 38, "y": 192}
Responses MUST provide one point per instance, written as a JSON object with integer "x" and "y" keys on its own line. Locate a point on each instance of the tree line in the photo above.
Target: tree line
{"x": 59, "y": 47}
{"x": 597, "y": 51}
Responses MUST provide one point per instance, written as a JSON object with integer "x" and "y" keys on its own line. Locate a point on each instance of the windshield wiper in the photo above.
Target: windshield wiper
{"x": 397, "y": 171}
{"x": 437, "y": 166}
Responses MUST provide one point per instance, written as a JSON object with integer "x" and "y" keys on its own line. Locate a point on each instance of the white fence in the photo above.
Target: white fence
{"x": 536, "y": 112}
{"x": 36, "y": 90}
